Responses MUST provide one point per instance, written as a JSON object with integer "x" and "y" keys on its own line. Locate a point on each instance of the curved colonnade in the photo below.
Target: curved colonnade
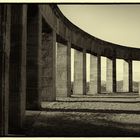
{"x": 31, "y": 72}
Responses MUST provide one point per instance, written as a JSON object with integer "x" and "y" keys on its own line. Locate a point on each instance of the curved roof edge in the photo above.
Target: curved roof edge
{"x": 83, "y": 40}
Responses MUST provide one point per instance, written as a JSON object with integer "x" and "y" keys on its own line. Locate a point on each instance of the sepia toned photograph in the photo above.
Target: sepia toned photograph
{"x": 70, "y": 69}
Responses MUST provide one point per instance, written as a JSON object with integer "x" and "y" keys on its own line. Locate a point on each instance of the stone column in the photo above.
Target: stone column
{"x": 93, "y": 75}
{"x": 139, "y": 88}
{"x": 69, "y": 68}
{"x": 17, "y": 68}
{"x": 127, "y": 76}
{"x": 78, "y": 73}
{"x": 34, "y": 43}
{"x": 5, "y": 17}
{"x": 84, "y": 73}
{"x": 62, "y": 88}
{"x": 98, "y": 74}
{"x": 49, "y": 67}
{"x": 111, "y": 75}
{"x": 130, "y": 76}
{"x": 114, "y": 75}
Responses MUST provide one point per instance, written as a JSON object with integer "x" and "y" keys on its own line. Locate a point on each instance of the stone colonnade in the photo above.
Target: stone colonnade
{"x": 95, "y": 75}
{"x": 33, "y": 69}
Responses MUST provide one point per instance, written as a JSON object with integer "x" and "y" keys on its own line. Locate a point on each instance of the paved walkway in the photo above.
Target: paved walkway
{"x": 85, "y": 117}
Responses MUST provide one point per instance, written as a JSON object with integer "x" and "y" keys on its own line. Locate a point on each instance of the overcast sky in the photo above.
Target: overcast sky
{"x": 119, "y": 24}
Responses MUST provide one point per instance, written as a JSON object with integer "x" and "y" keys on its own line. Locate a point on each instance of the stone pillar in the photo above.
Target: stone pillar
{"x": 69, "y": 68}
{"x": 139, "y": 88}
{"x": 127, "y": 76}
{"x": 49, "y": 67}
{"x": 5, "y": 17}
{"x": 34, "y": 43}
{"x": 84, "y": 73}
{"x": 111, "y": 75}
{"x": 93, "y": 75}
{"x": 114, "y": 76}
{"x": 78, "y": 73}
{"x": 17, "y": 68}
{"x": 98, "y": 74}
{"x": 62, "y": 73}
{"x": 130, "y": 76}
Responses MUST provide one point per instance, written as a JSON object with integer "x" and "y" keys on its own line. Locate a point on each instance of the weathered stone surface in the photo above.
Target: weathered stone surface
{"x": 130, "y": 75}
{"x": 17, "y": 68}
{"x": 49, "y": 67}
{"x": 69, "y": 68}
{"x": 5, "y": 18}
{"x": 78, "y": 72}
{"x": 84, "y": 73}
{"x": 34, "y": 43}
{"x": 127, "y": 76}
{"x": 111, "y": 75}
{"x": 98, "y": 74}
{"x": 61, "y": 71}
{"x": 93, "y": 75}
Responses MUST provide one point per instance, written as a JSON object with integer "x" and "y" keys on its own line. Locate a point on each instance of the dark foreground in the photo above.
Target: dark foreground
{"x": 80, "y": 118}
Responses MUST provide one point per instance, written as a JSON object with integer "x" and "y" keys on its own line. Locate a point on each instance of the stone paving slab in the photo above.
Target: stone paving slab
{"x": 96, "y": 104}
{"x": 91, "y": 106}
{"x": 83, "y": 99}
{"x": 108, "y": 95}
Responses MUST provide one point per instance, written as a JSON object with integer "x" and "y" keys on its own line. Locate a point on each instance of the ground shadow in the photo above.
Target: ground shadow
{"x": 64, "y": 126}
{"x": 93, "y": 110}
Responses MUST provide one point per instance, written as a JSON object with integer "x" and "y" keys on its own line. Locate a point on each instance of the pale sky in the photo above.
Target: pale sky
{"x": 119, "y": 24}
